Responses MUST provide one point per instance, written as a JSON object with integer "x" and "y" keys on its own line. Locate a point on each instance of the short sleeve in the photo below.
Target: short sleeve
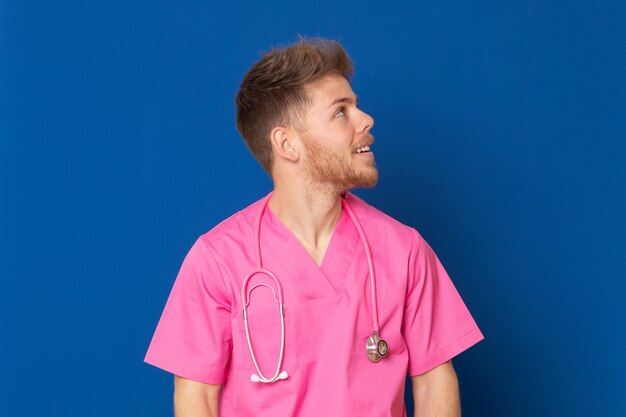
{"x": 193, "y": 338}
{"x": 437, "y": 325}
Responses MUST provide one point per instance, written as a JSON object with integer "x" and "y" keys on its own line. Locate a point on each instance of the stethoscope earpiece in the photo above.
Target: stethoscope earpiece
{"x": 256, "y": 378}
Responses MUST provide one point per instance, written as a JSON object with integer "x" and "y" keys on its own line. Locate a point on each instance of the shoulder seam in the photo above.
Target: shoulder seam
{"x": 219, "y": 268}
{"x": 412, "y": 255}
{"x": 218, "y": 226}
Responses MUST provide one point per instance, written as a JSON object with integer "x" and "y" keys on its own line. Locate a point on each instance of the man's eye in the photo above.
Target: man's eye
{"x": 340, "y": 112}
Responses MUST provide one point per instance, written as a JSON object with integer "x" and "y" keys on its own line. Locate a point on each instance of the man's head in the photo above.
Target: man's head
{"x": 296, "y": 104}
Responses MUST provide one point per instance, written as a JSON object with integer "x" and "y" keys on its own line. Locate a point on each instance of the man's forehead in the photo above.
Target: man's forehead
{"x": 329, "y": 90}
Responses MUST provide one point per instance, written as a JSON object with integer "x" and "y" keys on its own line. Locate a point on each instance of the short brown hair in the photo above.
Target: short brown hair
{"x": 272, "y": 91}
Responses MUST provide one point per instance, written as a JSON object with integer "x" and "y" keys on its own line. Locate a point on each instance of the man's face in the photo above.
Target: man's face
{"x": 335, "y": 132}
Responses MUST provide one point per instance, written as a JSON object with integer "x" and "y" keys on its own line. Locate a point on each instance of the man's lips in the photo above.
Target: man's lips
{"x": 363, "y": 149}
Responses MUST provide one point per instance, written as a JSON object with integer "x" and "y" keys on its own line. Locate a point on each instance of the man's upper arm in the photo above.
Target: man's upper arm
{"x": 436, "y": 392}
{"x": 193, "y": 398}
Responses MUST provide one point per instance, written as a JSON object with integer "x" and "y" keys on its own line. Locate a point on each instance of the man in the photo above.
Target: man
{"x": 299, "y": 348}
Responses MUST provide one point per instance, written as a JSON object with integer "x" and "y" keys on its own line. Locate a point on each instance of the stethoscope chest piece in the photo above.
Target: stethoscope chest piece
{"x": 376, "y": 347}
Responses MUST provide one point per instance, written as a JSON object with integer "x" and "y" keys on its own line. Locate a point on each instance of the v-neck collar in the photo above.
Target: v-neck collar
{"x": 287, "y": 250}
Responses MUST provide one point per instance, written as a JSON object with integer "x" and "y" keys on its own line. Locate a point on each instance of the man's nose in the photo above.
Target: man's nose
{"x": 366, "y": 122}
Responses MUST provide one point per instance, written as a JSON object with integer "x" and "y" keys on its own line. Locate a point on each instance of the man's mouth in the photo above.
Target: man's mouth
{"x": 362, "y": 149}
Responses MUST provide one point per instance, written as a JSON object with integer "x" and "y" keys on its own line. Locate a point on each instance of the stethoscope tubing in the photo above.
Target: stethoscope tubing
{"x": 370, "y": 263}
{"x": 245, "y": 295}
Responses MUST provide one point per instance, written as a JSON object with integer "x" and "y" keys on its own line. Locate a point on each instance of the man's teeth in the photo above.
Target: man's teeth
{"x": 363, "y": 149}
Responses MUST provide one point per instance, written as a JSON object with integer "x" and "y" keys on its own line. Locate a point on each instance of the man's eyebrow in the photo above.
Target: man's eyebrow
{"x": 348, "y": 100}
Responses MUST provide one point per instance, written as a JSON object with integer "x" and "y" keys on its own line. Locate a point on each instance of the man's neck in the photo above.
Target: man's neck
{"x": 310, "y": 212}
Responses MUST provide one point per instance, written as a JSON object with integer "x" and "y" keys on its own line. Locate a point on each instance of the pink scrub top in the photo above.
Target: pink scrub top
{"x": 328, "y": 317}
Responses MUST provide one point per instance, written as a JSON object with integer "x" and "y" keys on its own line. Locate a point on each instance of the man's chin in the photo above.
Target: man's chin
{"x": 365, "y": 182}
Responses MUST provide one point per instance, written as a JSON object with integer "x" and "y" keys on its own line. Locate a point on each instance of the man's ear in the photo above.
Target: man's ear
{"x": 283, "y": 140}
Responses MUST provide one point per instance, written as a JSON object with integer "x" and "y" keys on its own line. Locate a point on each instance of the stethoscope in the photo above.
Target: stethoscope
{"x": 376, "y": 348}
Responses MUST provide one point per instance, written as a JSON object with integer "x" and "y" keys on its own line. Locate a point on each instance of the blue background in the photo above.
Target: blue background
{"x": 501, "y": 137}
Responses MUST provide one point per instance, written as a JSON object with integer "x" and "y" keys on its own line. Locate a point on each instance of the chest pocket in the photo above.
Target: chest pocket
{"x": 265, "y": 336}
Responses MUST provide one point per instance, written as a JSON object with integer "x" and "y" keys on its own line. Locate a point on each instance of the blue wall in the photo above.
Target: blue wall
{"x": 501, "y": 136}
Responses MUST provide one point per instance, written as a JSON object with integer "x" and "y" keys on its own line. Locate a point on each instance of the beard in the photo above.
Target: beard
{"x": 326, "y": 168}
